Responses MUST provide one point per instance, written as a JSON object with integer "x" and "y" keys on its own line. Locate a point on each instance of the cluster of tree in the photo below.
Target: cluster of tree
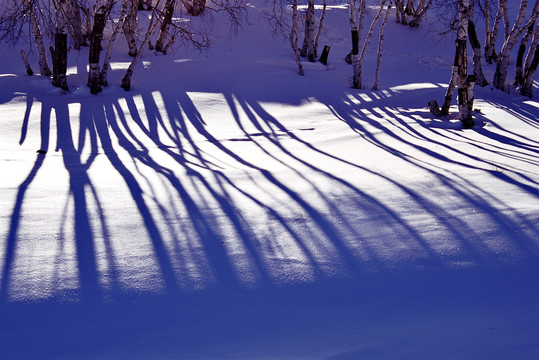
{"x": 79, "y": 23}
{"x": 411, "y": 13}
{"x": 82, "y": 23}
{"x": 526, "y": 63}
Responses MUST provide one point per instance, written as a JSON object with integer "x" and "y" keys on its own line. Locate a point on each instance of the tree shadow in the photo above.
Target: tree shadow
{"x": 249, "y": 201}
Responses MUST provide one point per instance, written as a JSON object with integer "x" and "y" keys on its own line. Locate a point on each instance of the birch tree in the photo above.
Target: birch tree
{"x": 38, "y": 38}
{"x": 152, "y": 27}
{"x": 368, "y": 38}
{"x": 74, "y": 24}
{"x": 380, "y": 45}
{"x": 459, "y": 72}
{"x": 165, "y": 25}
{"x": 60, "y": 46}
{"x": 476, "y": 46}
{"x": 465, "y": 83}
{"x": 420, "y": 11}
{"x": 320, "y": 27}
{"x": 519, "y": 67}
{"x": 491, "y": 34}
{"x": 516, "y": 31}
{"x": 102, "y": 8}
{"x": 294, "y": 36}
{"x": 106, "y": 62}
{"x": 400, "y": 13}
{"x": 356, "y": 28}
{"x": 130, "y": 27}
{"x": 307, "y": 49}
{"x": 530, "y": 65}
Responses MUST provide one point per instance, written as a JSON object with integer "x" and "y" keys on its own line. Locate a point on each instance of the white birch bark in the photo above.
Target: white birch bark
{"x": 485, "y": 10}
{"x": 38, "y": 39}
{"x": 152, "y": 27}
{"x": 380, "y": 46}
{"x": 307, "y": 49}
{"x": 100, "y": 17}
{"x": 294, "y": 36}
{"x": 357, "y": 29}
{"x": 464, "y": 83}
{"x": 108, "y": 53}
{"x": 320, "y": 26}
{"x": 490, "y": 46}
{"x": 130, "y": 27}
{"x": 400, "y": 13}
{"x": 503, "y": 61}
{"x": 367, "y": 41}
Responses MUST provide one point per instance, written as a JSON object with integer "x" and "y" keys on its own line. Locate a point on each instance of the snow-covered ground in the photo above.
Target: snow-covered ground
{"x": 227, "y": 208}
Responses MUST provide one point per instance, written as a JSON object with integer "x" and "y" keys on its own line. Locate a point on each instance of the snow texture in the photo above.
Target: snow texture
{"x": 227, "y": 208}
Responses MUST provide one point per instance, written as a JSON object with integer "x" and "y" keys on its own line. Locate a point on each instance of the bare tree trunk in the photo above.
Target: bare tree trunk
{"x": 38, "y": 39}
{"x": 527, "y": 88}
{"x": 310, "y": 25}
{"x": 74, "y": 22}
{"x": 165, "y": 25}
{"x": 531, "y": 51}
{"x": 88, "y": 18}
{"x": 506, "y": 26}
{"x": 152, "y": 27}
{"x": 100, "y": 19}
{"x": 485, "y": 11}
{"x": 106, "y": 62}
{"x": 320, "y": 26}
{"x": 451, "y": 86}
{"x": 490, "y": 45}
{"x": 357, "y": 29}
{"x": 380, "y": 45}
{"x": 503, "y": 61}
{"x": 476, "y": 46}
{"x": 420, "y": 13}
{"x": 130, "y": 27}
{"x": 60, "y": 47}
{"x": 367, "y": 41}
{"x": 400, "y": 13}
{"x": 519, "y": 68}
{"x": 29, "y": 70}
{"x": 465, "y": 83}
{"x": 294, "y": 36}
{"x": 354, "y": 54}
{"x": 409, "y": 7}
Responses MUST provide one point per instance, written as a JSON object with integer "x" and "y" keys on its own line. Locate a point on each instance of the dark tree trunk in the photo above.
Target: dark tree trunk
{"x": 476, "y": 46}
{"x": 29, "y": 70}
{"x": 94, "y": 76}
{"x": 451, "y": 87}
{"x": 527, "y": 88}
{"x": 165, "y": 25}
{"x": 519, "y": 68}
{"x": 130, "y": 27}
{"x": 60, "y": 49}
{"x": 59, "y": 78}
